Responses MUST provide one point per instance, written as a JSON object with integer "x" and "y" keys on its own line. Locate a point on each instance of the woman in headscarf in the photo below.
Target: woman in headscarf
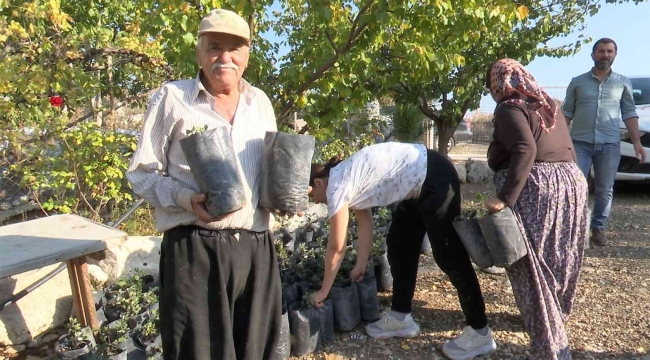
{"x": 426, "y": 188}
{"x": 537, "y": 177}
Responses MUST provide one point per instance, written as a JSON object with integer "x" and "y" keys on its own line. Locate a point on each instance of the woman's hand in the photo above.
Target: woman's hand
{"x": 357, "y": 273}
{"x": 318, "y": 297}
{"x": 494, "y": 205}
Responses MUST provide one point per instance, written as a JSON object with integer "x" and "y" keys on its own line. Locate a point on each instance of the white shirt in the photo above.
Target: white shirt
{"x": 159, "y": 172}
{"x": 377, "y": 175}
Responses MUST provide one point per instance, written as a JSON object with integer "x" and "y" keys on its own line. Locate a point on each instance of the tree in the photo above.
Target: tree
{"x": 446, "y": 99}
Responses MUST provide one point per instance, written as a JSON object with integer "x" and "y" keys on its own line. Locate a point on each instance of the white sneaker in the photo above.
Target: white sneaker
{"x": 469, "y": 344}
{"x": 388, "y": 327}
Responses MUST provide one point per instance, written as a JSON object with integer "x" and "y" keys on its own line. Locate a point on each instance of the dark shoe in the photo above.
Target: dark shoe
{"x": 598, "y": 237}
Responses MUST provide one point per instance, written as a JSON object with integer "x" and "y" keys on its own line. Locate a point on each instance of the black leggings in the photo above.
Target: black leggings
{"x": 433, "y": 212}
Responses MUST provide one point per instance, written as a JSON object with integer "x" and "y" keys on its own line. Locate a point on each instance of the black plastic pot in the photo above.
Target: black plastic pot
{"x": 503, "y": 237}
{"x": 326, "y": 317}
{"x": 285, "y": 171}
{"x": 471, "y": 235}
{"x": 131, "y": 351}
{"x": 112, "y": 311}
{"x": 137, "y": 320}
{"x": 63, "y": 353}
{"x": 347, "y": 314}
{"x": 290, "y": 294}
{"x": 155, "y": 347}
{"x": 383, "y": 274}
{"x": 305, "y": 328}
{"x": 213, "y": 164}
{"x": 368, "y": 301}
{"x": 283, "y": 350}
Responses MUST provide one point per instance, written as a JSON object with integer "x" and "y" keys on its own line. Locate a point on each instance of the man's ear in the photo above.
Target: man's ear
{"x": 318, "y": 182}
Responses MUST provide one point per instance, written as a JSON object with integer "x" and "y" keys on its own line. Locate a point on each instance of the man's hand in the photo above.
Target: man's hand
{"x": 318, "y": 297}
{"x": 356, "y": 274}
{"x": 640, "y": 151}
{"x": 282, "y": 213}
{"x": 198, "y": 205}
{"x": 494, "y": 205}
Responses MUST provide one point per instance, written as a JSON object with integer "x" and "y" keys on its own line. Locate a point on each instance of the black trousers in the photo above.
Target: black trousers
{"x": 433, "y": 212}
{"x": 220, "y": 296}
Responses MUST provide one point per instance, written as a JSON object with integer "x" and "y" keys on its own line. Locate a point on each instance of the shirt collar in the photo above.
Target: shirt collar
{"x": 609, "y": 74}
{"x": 244, "y": 87}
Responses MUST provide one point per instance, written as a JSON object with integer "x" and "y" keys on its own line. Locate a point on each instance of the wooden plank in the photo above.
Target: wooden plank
{"x": 33, "y": 244}
{"x": 82, "y": 293}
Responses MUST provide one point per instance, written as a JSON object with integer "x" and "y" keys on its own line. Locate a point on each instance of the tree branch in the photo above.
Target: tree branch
{"x": 355, "y": 31}
{"x": 423, "y": 105}
{"x": 329, "y": 38}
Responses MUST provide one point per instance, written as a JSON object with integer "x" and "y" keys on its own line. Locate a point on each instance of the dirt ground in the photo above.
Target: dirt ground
{"x": 610, "y": 320}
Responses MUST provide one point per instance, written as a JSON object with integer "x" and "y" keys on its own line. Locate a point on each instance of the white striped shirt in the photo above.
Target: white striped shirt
{"x": 159, "y": 172}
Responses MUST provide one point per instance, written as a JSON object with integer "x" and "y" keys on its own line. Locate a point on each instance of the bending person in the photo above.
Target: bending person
{"x": 427, "y": 188}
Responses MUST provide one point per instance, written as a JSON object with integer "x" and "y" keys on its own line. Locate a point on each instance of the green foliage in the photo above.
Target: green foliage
{"x": 142, "y": 222}
{"x": 409, "y": 122}
{"x": 83, "y": 170}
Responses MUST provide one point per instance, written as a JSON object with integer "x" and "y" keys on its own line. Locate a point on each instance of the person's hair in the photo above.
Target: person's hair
{"x": 604, "y": 41}
{"x": 320, "y": 171}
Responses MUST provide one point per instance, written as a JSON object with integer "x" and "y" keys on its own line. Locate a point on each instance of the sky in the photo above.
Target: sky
{"x": 627, "y": 24}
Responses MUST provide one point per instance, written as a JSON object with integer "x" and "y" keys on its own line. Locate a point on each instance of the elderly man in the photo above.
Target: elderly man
{"x": 597, "y": 101}
{"x": 220, "y": 295}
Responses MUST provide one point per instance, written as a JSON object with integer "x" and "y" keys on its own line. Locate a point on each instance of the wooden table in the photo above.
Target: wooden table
{"x": 33, "y": 244}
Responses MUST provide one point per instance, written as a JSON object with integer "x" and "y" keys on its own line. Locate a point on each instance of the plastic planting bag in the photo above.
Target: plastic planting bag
{"x": 503, "y": 237}
{"x": 285, "y": 171}
{"x": 326, "y": 317}
{"x": 305, "y": 326}
{"x": 382, "y": 273}
{"x": 368, "y": 301}
{"x": 346, "y": 307}
{"x": 283, "y": 351}
{"x": 213, "y": 164}
{"x": 470, "y": 234}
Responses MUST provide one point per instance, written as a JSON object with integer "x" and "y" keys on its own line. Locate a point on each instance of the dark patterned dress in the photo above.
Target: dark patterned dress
{"x": 552, "y": 214}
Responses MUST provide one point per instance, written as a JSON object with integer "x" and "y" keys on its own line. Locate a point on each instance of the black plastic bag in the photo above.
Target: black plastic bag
{"x": 503, "y": 237}
{"x": 368, "y": 301}
{"x": 305, "y": 328}
{"x": 326, "y": 318}
{"x": 471, "y": 235}
{"x": 285, "y": 171}
{"x": 283, "y": 351}
{"x": 213, "y": 164}
{"x": 290, "y": 294}
{"x": 346, "y": 307}
{"x": 382, "y": 273}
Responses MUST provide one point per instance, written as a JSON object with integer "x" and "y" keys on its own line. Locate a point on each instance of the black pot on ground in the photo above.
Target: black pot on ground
{"x": 63, "y": 351}
{"x": 346, "y": 307}
{"x": 283, "y": 350}
{"x": 326, "y": 318}
{"x": 305, "y": 328}
{"x": 382, "y": 273}
{"x": 368, "y": 301}
{"x": 290, "y": 294}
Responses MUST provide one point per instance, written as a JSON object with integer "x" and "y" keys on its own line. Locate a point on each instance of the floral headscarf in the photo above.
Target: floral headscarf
{"x": 508, "y": 76}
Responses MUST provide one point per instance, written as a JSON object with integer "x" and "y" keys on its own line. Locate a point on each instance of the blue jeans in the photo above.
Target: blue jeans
{"x": 605, "y": 159}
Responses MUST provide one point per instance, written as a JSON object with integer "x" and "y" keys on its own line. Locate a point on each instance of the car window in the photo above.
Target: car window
{"x": 641, "y": 90}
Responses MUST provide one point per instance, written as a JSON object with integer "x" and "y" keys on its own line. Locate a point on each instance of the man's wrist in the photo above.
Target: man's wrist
{"x": 184, "y": 199}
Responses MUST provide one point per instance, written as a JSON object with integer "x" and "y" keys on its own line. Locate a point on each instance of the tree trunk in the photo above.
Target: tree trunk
{"x": 445, "y": 132}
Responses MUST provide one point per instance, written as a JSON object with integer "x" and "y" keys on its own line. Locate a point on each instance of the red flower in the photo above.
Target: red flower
{"x": 56, "y": 101}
